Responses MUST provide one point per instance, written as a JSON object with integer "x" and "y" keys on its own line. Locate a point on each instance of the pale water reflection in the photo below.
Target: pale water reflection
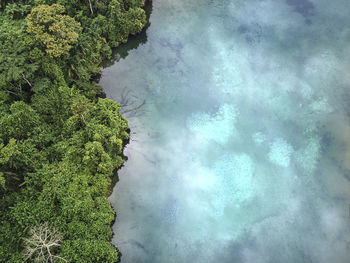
{"x": 240, "y": 152}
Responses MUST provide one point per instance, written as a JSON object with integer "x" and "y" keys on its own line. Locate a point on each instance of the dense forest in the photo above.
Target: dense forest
{"x": 60, "y": 140}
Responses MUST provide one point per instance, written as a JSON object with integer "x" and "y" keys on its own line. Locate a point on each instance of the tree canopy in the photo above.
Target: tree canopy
{"x": 60, "y": 140}
{"x": 58, "y": 32}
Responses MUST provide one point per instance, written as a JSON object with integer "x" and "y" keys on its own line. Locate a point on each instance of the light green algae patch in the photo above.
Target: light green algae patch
{"x": 219, "y": 126}
{"x": 308, "y": 157}
{"x": 280, "y": 152}
{"x": 259, "y": 138}
{"x": 234, "y": 182}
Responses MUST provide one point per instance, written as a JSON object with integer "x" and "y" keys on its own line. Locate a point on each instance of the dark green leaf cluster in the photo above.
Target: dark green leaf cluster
{"x": 60, "y": 140}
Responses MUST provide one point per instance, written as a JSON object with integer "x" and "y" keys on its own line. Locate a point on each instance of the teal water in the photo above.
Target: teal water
{"x": 240, "y": 133}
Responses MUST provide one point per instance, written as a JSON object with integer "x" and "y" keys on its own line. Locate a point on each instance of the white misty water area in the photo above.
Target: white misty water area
{"x": 240, "y": 152}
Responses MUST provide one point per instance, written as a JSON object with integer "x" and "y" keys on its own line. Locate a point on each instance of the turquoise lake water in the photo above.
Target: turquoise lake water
{"x": 240, "y": 133}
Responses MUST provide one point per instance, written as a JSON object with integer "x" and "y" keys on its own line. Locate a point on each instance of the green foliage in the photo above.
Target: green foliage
{"x": 59, "y": 140}
{"x": 2, "y": 179}
{"x": 56, "y": 31}
{"x": 20, "y": 121}
{"x": 123, "y": 22}
{"x": 17, "y": 68}
{"x": 17, "y": 10}
{"x": 80, "y": 251}
{"x": 134, "y": 3}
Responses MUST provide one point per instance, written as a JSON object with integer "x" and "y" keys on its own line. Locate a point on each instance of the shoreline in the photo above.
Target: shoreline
{"x": 132, "y": 43}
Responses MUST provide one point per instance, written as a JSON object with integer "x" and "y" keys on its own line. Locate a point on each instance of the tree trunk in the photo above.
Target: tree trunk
{"x": 92, "y": 11}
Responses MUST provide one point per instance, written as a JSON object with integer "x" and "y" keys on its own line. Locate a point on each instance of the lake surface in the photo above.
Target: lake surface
{"x": 240, "y": 133}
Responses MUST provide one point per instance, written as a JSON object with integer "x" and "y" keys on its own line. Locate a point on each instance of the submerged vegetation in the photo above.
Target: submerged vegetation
{"x": 60, "y": 140}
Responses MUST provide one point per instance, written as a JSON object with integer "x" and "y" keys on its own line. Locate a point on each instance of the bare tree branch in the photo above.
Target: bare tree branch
{"x": 11, "y": 92}
{"x": 30, "y": 84}
{"x": 130, "y": 104}
{"x": 92, "y": 11}
{"x": 40, "y": 243}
